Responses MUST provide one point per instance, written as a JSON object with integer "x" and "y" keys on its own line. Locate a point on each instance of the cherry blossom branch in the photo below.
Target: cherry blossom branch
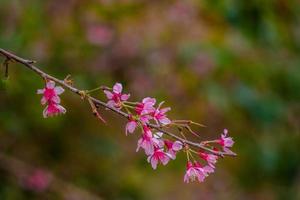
{"x": 10, "y": 57}
{"x": 150, "y": 118}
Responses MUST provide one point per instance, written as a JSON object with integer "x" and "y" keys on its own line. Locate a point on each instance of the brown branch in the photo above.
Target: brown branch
{"x": 29, "y": 65}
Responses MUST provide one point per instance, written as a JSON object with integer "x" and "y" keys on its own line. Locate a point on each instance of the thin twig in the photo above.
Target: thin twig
{"x": 29, "y": 65}
{"x": 5, "y": 65}
{"x": 95, "y": 110}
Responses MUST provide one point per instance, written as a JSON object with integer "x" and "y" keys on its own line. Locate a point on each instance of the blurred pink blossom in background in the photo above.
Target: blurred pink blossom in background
{"x": 100, "y": 35}
{"x": 38, "y": 181}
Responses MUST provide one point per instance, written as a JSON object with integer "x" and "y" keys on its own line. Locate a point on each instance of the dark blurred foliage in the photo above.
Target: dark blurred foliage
{"x": 224, "y": 63}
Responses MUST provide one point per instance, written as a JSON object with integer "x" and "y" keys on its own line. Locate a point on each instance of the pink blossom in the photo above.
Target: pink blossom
{"x": 209, "y": 158}
{"x": 194, "y": 172}
{"x": 145, "y": 118}
{"x": 51, "y": 98}
{"x": 99, "y": 35}
{"x": 146, "y": 141}
{"x": 38, "y": 181}
{"x": 146, "y": 106}
{"x": 50, "y": 93}
{"x": 204, "y": 170}
{"x": 158, "y": 156}
{"x": 159, "y": 115}
{"x": 131, "y": 126}
{"x": 115, "y": 96}
{"x": 226, "y": 142}
{"x": 173, "y": 147}
{"x": 53, "y": 109}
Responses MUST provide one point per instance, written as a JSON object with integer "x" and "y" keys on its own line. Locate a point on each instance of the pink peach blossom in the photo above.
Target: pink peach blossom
{"x": 194, "y": 172}
{"x": 158, "y": 156}
{"x": 53, "y": 109}
{"x": 146, "y": 106}
{"x": 51, "y": 98}
{"x": 160, "y": 116}
{"x": 204, "y": 170}
{"x": 173, "y": 147}
{"x": 209, "y": 158}
{"x": 115, "y": 96}
{"x": 50, "y": 93}
{"x": 146, "y": 141}
{"x": 226, "y": 142}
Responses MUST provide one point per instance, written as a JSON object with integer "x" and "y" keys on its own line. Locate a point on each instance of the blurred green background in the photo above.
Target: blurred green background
{"x": 225, "y": 63}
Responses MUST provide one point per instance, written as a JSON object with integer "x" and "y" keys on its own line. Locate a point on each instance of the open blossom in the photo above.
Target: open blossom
{"x": 146, "y": 106}
{"x": 173, "y": 147}
{"x": 194, "y": 172}
{"x": 205, "y": 170}
{"x": 53, "y": 109}
{"x": 115, "y": 96}
{"x": 50, "y": 93}
{"x": 160, "y": 116}
{"x": 209, "y": 158}
{"x": 158, "y": 156}
{"x": 158, "y": 149}
{"x": 51, "y": 98}
{"x": 146, "y": 141}
{"x": 226, "y": 142}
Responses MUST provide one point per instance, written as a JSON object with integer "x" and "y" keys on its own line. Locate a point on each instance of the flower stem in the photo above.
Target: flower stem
{"x": 94, "y": 90}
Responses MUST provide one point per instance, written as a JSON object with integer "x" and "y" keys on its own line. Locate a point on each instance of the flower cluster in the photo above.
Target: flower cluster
{"x": 158, "y": 148}
{"x": 159, "y": 145}
{"x": 51, "y": 99}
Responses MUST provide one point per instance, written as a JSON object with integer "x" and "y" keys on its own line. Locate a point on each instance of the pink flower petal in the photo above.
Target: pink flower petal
{"x": 58, "y": 90}
{"x": 177, "y": 146}
{"x": 50, "y": 84}
{"x": 208, "y": 169}
{"x": 118, "y": 88}
{"x": 111, "y": 103}
{"x": 164, "y": 120}
{"x": 154, "y": 162}
{"x": 61, "y": 109}
{"x": 164, "y": 110}
{"x": 225, "y": 131}
{"x": 172, "y": 154}
{"x": 149, "y": 100}
{"x": 43, "y": 100}
{"x": 130, "y": 126}
{"x": 108, "y": 94}
{"x": 55, "y": 99}
{"x": 165, "y": 159}
{"x": 40, "y": 91}
{"x": 125, "y": 97}
{"x": 149, "y": 148}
